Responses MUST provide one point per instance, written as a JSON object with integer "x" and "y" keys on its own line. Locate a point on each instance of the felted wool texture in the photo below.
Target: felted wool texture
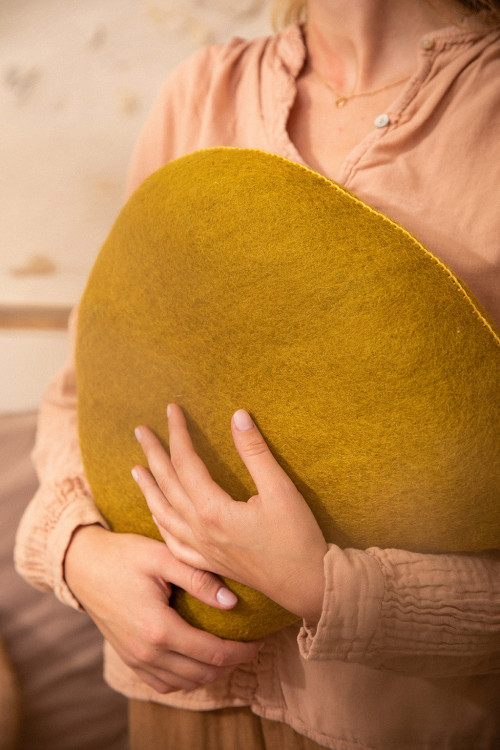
{"x": 235, "y": 279}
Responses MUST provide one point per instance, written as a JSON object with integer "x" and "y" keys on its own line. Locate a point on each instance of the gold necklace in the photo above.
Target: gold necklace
{"x": 342, "y": 99}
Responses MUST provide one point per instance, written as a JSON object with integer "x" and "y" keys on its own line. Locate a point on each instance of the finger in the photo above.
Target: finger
{"x": 182, "y": 452}
{"x": 163, "y": 471}
{"x": 154, "y": 682}
{"x": 201, "y": 584}
{"x": 189, "y": 467}
{"x": 164, "y": 514}
{"x": 207, "y": 648}
{"x": 161, "y": 669}
{"x": 158, "y": 459}
{"x": 183, "y": 672}
{"x": 175, "y": 531}
{"x": 179, "y": 671}
{"x": 186, "y": 554}
{"x": 265, "y": 471}
{"x": 173, "y": 635}
{"x": 163, "y": 681}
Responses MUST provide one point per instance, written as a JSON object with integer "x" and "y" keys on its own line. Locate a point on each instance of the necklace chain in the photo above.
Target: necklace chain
{"x": 342, "y": 99}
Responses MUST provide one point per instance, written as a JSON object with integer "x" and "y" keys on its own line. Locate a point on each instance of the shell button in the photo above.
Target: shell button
{"x": 427, "y": 43}
{"x": 382, "y": 121}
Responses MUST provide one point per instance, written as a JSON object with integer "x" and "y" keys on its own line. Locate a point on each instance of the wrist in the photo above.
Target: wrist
{"x": 305, "y": 591}
{"x": 78, "y": 555}
{"x": 313, "y": 595}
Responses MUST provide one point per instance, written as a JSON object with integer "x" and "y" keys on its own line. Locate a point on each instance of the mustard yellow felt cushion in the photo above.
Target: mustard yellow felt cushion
{"x": 234, "y": 278}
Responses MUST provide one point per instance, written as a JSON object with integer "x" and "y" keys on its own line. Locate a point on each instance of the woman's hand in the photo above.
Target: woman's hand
{"x": 271, "y": 543}
{"x": 123, "y": 582}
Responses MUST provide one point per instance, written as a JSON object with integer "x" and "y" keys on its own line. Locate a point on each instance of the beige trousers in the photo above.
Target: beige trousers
{"x": 157, "y": 727}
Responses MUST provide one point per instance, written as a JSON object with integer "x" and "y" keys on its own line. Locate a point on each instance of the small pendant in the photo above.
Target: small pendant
{"x": 341, "y": 102}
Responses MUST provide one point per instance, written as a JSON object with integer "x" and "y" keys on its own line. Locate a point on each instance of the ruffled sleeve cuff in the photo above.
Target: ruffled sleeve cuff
{"x": 352, "y": 604}
{"x": 45, "y": 533}
{"x": 433, "y": 615}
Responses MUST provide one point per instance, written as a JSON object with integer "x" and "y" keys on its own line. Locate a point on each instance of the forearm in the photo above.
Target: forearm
{"x": 434, "y": 615}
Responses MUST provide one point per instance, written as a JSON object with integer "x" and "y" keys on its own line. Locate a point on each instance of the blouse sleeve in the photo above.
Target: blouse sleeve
{"x": 431, "y": 615}
{"x": 63, "y": 501}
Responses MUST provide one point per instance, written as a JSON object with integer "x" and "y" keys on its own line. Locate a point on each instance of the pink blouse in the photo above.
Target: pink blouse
{"x": 406, "y": 655}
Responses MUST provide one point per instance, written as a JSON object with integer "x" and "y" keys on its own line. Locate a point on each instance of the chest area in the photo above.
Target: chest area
{"x": 459, "y": 226}
{"x": 327, "y": 129}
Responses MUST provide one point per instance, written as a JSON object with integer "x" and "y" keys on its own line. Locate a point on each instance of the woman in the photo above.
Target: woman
{"x": 397, "y": 649}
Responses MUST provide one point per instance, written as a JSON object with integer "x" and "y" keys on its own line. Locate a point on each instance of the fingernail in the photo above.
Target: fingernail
{"x": 226, "y": 597}
{"x": 138, "y": 434}
{"x": 242, "y": 420}
{"x": 135, "y": 475}
{"x": 168, "y": 410}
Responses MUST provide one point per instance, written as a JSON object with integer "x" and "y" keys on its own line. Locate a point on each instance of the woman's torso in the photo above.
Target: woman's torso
{"x": 432, "y": 167}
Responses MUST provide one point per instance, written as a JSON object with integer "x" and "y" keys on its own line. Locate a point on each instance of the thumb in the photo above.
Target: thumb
{"x": 255, "y": 454}
{"x": 201, "y": 584}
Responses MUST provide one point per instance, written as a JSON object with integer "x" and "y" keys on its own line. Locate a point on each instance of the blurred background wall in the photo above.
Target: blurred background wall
{"x": 77, "y": 78}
